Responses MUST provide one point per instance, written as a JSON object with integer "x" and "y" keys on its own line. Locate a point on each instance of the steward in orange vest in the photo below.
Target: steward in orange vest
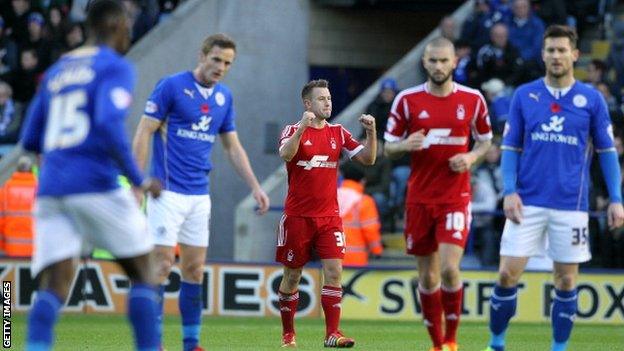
{"x": 17, "y": 198}
{"x": 360, "y": 218}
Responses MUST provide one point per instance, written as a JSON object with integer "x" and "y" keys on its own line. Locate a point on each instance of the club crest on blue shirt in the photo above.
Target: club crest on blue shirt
{"x": 220, "y": 98}
{"x": 579, "y": 100}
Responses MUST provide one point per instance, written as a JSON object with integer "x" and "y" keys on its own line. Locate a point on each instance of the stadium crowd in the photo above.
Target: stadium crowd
{"x": 498, "y": 49}
{"x": 35, "y": 33}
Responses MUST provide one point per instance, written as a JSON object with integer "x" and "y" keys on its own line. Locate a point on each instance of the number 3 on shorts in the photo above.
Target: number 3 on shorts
{"x": 340, "y": 239}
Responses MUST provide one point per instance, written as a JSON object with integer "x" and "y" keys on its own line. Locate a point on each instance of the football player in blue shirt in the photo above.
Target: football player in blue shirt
{"x": 188, "y": 110}
{"x": 554, "y": 125}
{"x": 76, "y": 122}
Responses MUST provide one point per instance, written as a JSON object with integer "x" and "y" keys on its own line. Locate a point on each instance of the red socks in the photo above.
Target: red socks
{"x": 431, "y": 302}
{"x": 452, "y": 304}
{"x": 330, "y": 300}
{"x": 288, "y": 306}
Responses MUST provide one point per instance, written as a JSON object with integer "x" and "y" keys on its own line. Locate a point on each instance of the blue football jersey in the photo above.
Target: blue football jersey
{"x": 556, "y": 136}
{"x": 192, "y": 117}
{"x": 76, "y": 121}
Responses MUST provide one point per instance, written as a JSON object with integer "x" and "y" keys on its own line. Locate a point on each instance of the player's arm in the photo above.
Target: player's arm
{"x": 513, "y": 138}
{"x": 112, "y": 101}
{"x": 32, "y": 131}
{"x": 289, "y": 149}
{"x": 602, "y": 135}
{"x": 238, "y": 158}
{"x": 142, "y": 138}
{"x": 368, "y": 154}
{"x": 462, "y": 162}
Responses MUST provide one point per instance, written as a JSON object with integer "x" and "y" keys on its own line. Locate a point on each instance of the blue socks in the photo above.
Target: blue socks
{"x": 502, "y": 308}
{"x": 41, "y": 320}
{"x": 190, "y": 304}
{"x": 142, "y": 312}
{"x": 562, "y": 317}
{"x": 160, "y": 310}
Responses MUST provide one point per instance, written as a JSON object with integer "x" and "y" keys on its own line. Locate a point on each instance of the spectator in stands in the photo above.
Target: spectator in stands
{"x": 360, "y": 219}
{"x": 74, "y": 36}
{"x": 486, "y": 197}
{"x": 501, "y": 10}
{"x": 615, "y": 59}
{"x": 476, "y": 29}
{"x": 499, "y": 59}
{"x": 526, "y": 31}
{"x": 596, "y": 72}
{"x": 166, "y": 8}
{"x": 24, "y": 80}
{"x": 499, "y": 102}
{"x": 54, "y": 32}
{"x": 17, "y": 20}
{"x": 8, "y": 51}
{"x": 555, "y": 12}
{"x": 10, "y": 118}
{"x": 143, "y": 16}
{"x": 37, "y": 41}
{"x": 448, "y": 28}
{"x": 465, "y": 73}
{"x": 380, "y": 108}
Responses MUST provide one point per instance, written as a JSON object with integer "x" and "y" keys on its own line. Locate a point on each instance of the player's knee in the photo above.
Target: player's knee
{"x": 450, "y": 276}
{"x": 565, "y": 281}
{"x": 507, "y": 278}
{"x": 193, "y": 272}
{"x": 428, "y": 280}
{"x": 163, "y": 269}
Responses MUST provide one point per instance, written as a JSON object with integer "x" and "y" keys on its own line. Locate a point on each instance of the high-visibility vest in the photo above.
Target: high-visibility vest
{"x": 17, "y": 224}
{"x": 360, "y": 221}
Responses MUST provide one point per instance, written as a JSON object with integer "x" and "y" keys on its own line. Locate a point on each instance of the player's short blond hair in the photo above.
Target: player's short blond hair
{"x": 221, "y": 40}
{"x": 307, "y": 89}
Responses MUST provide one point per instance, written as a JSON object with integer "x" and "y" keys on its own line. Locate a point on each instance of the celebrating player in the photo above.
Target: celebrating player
{"x": 433, "y": 121}
{"x": 76, "y": 121}
{"x": 311, "y": 149}
{"x": 188, "y": 110}
{"x": 547, "y": 146}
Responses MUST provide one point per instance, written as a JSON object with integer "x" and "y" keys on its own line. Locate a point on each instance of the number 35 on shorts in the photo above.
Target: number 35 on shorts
{"x": 340, "y": 239}
{"x": 579, "y": 236}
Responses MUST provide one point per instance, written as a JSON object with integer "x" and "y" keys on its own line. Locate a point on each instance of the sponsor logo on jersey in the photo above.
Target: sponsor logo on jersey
{"x": 551, "y": 132}
{"x": 441, "y": 136}
{"x": 203, "y": 124}
{"x": 423, "y": 114}
{"x": 317, "y": 161}
{"x": 190, "y": 93}
{"x": 579, "y": 100}
{"x": 461, "y": 111}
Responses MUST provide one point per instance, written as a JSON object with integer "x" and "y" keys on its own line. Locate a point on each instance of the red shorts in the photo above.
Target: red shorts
{"x": 428, "y": 225}
{"x": 297, "y": 236}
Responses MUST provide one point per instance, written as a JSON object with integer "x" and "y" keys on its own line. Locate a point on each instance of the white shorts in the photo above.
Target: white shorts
{"x": 72, "y": 225}
{"x": 563, "y": 235}
{"x": 177, "y": 218}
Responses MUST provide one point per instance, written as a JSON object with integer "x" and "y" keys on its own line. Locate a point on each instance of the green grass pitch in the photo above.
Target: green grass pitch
{"x": 111, "y": 332}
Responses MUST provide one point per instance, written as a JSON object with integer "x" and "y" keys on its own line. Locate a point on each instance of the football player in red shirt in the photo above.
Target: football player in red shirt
{"x": 311, "y": 149}
{"x": 433, "y": 122}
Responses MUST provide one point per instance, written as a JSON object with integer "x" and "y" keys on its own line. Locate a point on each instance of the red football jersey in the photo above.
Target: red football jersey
{"x": 447, "y": 123}
{"x": 313, "y": 172}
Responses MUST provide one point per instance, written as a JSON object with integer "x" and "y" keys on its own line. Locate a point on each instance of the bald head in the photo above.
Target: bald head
{"x": 439, "y": 43}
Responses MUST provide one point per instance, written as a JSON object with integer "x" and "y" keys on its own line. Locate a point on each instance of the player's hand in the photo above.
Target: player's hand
{"x": 512, "y": 206}
{"x": 415, "y": 141}
{"x": 262, "y": 199}
{"x": 153, "y": 187}
{"x": 615, "y": 215}
{"x": 139, "y": 196}
{"x": 368, "y": 123}
{"x": 462, "y": 162}
{"x": 306, "y": 120}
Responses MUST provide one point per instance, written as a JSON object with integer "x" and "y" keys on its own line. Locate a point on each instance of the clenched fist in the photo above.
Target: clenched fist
{"x": 368, "y": 122}
{"x": 306, "y": 120}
